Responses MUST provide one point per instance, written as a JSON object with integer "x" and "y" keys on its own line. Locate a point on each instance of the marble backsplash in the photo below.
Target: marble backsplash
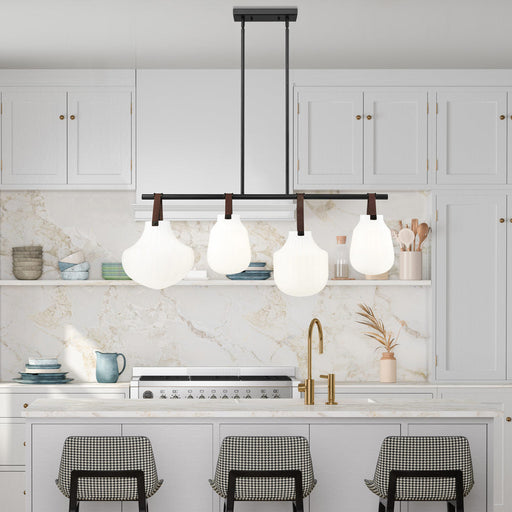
{"x": 196, "y": 325}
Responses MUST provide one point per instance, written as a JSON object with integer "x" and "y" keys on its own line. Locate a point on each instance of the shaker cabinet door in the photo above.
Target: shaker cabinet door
{"x": 395, "y": 137}
{"x": 471, "y": 136}
{"x": 34, "y": 124}
{"x": 471, "y": 262}
{"x": 100, "y": 137}
{"x": 328, "y": 137}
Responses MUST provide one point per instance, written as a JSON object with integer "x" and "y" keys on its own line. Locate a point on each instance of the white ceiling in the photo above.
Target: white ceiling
{"x": 202, "y": 34}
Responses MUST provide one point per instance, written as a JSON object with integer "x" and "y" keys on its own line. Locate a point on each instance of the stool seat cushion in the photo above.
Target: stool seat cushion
{"x": 423, "y": 453}
{"x": 265, "y": 453}
{"x": 114, "y": 453}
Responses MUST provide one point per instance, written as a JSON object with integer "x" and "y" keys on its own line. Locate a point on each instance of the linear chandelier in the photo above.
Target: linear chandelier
{"x": 158, "y": 259}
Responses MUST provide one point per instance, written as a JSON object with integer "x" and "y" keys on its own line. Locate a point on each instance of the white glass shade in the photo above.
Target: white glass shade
{"x": 301, "y": 268}
{"x": 371, "y": 249}
{"x": 229, "y": 249}
{"x": 158, "y": 259}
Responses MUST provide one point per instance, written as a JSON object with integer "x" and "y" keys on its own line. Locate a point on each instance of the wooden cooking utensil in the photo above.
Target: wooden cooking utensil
{"x": 414, "y": 227}
{"x": 406, "y": 237}
{"x": 423, "y": 230}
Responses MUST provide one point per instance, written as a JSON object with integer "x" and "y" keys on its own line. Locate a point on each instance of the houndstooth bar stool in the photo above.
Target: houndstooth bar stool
{"x": 110, "y": 468}
{"x": 411, "y": 468}
{"x": 264, "y": 469}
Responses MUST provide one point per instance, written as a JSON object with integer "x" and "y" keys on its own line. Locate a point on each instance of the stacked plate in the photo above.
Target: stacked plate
{"x": 74, "y": 267}
{"x": 43, "y": 370}
{"x": 27, "y": 262}
{"x": 114, "y": 271}
{"x": 255, "y": 272}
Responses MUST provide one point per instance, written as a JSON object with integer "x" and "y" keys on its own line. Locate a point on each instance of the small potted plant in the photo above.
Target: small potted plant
{"x": 385, "y": 338}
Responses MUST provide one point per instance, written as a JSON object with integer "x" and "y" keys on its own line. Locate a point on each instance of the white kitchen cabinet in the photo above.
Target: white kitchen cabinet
{"x": 343, "y": 456}
{"x": 34, "y": 125}
{"x": 329, "y": 137}
{"x": 395, "y": 137}
{"x": 67, "y": 138}
{"x": 472, "y": 136}
{"x": 100, "y": 137}
{"x": 471, "y": 263}
{"x": 479, "y": 499}
{"x": 184, "y": 460}
{"x": 46, "y": 446}
{"x": 12, "y": 490}
{"x": 502, "y": 437}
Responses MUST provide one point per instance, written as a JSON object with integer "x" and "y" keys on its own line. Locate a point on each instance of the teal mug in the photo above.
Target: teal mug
{"x": 107, "y": 369}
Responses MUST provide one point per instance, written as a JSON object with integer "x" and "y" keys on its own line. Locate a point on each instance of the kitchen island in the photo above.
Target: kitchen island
{"x": 186, "y": 436}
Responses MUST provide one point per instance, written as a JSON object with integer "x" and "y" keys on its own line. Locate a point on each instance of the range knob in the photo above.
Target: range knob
{"x": 276, "y": 395}
{"x": 236, "y": 397}
{"x": 163, "y": 396}
{"x": 225, "y": 396}
{"x": 248, "y": 396}
{"x": 190, "y": 396}
{"x": 201, "y": 397}
{"x": 147, "y": 394}
{"x": 264, "y": 395}
{"x": 174, "y": 397}
{"x": 213, "y": 396}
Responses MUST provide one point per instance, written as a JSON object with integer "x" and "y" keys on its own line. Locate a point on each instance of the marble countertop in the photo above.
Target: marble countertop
{"x": 93, "y": 408}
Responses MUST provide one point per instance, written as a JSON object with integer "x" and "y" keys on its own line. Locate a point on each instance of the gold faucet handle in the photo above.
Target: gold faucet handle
{"x": 302, "y": 387}
{"x": 331, "y": 388}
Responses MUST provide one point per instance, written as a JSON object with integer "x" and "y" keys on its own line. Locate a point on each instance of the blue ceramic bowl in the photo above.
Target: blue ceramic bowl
{"x": 257, "y": 264}
{"x": 79, "y": 267}
{"x": 75, "y": 276}
{"x": 64, "y": 266}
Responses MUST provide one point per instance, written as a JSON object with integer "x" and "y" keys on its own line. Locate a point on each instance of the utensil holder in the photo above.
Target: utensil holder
{"x": 410, "y": 265}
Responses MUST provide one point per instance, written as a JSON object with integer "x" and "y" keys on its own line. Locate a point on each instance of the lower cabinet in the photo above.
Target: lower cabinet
{"x": 183, "y": 456}
{"x": 12, "y": 490}
{"x": 343, "y": 456}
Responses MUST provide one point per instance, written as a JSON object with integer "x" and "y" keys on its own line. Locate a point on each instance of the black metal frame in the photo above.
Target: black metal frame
{"x": 76, "y": 474}
{"x": 296, "y": 474}
{"x": 457, "y": 505}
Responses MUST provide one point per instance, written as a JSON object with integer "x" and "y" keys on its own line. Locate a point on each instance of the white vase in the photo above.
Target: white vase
{"x": 388, "y": 367}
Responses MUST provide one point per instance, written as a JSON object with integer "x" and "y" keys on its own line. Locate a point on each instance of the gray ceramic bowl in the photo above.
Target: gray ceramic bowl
{"x": 26, "y": 264}
{"x": 74, "y": 276}
{"x": 31, "y": 248}
{"x": 27, "y": 274}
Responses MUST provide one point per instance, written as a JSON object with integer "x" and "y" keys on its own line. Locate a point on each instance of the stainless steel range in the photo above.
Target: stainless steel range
{"x": 210, "y": 382}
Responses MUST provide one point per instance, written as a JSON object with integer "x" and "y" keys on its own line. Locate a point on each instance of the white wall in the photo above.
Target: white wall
{"x": 202, "y": 34}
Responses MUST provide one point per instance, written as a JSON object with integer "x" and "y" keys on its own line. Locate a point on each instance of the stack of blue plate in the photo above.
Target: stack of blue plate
{"x": 255, "y": 272}
{"x": 43, "y": 371}
{"x": 114, "y": 271}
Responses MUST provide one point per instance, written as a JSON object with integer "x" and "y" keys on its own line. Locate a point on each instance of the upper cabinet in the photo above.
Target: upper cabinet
{"x": 329, "y": 137}
{"x": 395, "y": 137}
{"x": 67, "y": 129}
{"x": 472, "y": 136}
{"x": 34, "y": 131}
{"x": 345, "y": 136}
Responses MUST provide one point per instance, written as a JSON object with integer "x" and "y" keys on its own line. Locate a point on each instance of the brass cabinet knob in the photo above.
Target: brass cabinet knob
{"x": 502, "y": 220}
{"x": 368, "y": 117}
{"x": 72, "y": 117}
{"x": 511, "y": 219}
{"x": 25, "y": 493}
{"x": 62, "y": 117}
{"x": 25, "y": 406}
{"x": 508, "y": 418}
{"x": 358, "y": 117}
{"x": 502, "y": 117}
{"x": 24, "y": 443}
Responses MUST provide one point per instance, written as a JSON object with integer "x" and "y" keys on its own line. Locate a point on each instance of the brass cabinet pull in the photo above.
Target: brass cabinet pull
{"x": 502, "y": 220}
{"x": 358, "y": 117}
{"x": 511, "y": 219}
{"x": 62, "y": 117}
{"x": 25, "y": 492}
{"x": 368, "y": 117}
{"x": 508, "y": 418}
{"x": 25, "y": 406}
{"x": 72, "y": 117}
{"x": 502, "y": 117}
{"x": 24, "y": 443}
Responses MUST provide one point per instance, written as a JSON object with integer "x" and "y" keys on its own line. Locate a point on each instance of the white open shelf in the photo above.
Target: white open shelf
{"x": 206, "y": 282}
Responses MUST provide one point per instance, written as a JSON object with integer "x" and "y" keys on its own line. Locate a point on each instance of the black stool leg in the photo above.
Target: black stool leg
{"x": 450, "y": 506}
{"x": 459, "y": 492}
{"x": 382, "y": 507}
{"x": 73, "y": 492}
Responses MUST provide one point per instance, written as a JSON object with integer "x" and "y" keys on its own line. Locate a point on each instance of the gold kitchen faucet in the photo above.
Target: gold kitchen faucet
{"x": 308, "y": 386}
